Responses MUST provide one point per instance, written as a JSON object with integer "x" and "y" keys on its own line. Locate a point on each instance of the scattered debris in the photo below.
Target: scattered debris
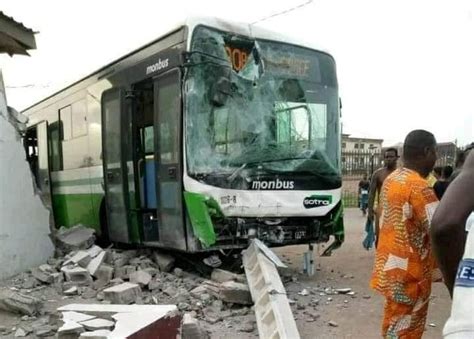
{"x": 234, "y": 292}
{"x": 81, "y": 258}
{"x": 247, "y": 327}
{"x": 70, "y": 329}
{"x": 45, "y": 331}
{"x": 42, "y": 276}
{"x": 190, "y": 328}
{"x": 212, "y": 261}
{"x": 95, "y": 263}
{"x": 343, "y": 290}
{"x": 19, "y": 303}
{"x": 77, "y": 275}
{"x": 432, "y": 325}
{"x": 98, "y": 324}
{"x": 72, "y": 291}
{"x": 222, "y": 276}
{"x": 333, "y": 323}
{"x": 20, "y": 332}
{"x": 141, "y": 278}
{"x": 366, "y": 296}
{"x": 304, "y": 292}
{"x": 125, "y": 293}
{"x": 99, "y": 334}
{"x": 165, "y": 262}
{"x": 75, "y": 238}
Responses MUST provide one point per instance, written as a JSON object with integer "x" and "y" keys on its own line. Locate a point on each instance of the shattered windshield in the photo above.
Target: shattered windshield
{"x": 260, "y": 107}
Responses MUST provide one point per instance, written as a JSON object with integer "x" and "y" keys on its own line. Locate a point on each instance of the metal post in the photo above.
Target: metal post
{"x": 308, "y": 261}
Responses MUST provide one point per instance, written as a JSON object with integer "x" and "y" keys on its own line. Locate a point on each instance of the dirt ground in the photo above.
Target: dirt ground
{"x": 357, "y": 316}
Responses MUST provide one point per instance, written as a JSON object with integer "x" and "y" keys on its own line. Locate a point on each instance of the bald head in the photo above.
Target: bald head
{"x": 416, "y": 144}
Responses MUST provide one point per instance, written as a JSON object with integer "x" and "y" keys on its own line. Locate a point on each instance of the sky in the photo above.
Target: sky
{"x": 402, "y": 65}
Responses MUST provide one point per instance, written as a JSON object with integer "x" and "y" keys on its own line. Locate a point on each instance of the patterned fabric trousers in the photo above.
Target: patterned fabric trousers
{"x": 404, "y": 321}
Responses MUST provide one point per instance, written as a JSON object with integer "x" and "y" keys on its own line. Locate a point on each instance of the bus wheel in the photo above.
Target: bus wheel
{"x": 103, "y": 238}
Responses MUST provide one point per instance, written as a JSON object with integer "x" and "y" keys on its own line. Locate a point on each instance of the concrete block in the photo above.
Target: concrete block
{"x": 222, "y": 276}
{"x": 190, "y": 328}
{"x": 123, "y": 272}
{"x": 125, "y": 293}
{"x": 97, "y": 324}
{"x": 71, "y": 291}
{"x": 77, "y": 275}
{"x": 75, "y": 238}
{"x": 95, "y": 263}
{"x": 234, "y": 292}
{"x": 147, "y": 325}
{"x": 198, "y": 291}
{"x": 104, "y": 273}
{"x": 47, "y": 268}
{"x": 82, "y": 258}
{"x": 93, "y": 251}
{"x": 154, "y": 285}
{"x": 45, "y": 331}
{"x": 70, "y": 328}
{"x": 76, "y": 317}
{"x": 58, "y": 278}
{"x": 141, "y": 278}
{"x": 99, "y": 334}
{"x": 165, "y": 262}
{"x": 134, "y": 321}
{"x": 44, "y": 277}
{"x": 19, "y": 303}
{"x": 151, "y": 271}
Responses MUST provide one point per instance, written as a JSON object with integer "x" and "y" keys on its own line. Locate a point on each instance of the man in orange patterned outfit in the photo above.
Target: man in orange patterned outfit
{"x": 404, "y": 264}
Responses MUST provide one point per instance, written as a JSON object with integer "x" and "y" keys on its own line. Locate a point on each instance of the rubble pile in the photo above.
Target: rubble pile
{"x": 111, "y": 276}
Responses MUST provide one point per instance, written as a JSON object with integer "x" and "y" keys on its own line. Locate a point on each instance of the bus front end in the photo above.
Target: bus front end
{"x": 261, "y": 142}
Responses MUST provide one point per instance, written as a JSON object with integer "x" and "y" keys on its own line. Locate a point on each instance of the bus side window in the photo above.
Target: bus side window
{"x": 55, "y": 146}
{"x": 148, "y": 140}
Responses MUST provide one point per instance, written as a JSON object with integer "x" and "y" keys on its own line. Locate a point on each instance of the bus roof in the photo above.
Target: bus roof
{"x": 191, "y": 23}
{"x": 247, "y": 29}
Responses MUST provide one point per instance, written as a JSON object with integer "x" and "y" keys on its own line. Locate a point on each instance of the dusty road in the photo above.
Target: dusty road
{"x": 358, "y": 317}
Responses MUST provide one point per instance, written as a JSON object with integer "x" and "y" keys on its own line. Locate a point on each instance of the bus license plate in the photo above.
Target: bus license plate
{"x": 300, "y": 234}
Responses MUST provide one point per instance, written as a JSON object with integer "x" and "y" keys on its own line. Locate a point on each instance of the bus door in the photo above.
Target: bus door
{"x": 168, "y": 160}
{"x": 36, "y": 147}
{"x": 115, "y": 155}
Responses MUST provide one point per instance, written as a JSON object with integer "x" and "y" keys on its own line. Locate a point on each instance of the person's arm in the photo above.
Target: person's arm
{"x": 448, "y": 233}
{"x": 437, "y": 189}
{"x": 372, "y": 192}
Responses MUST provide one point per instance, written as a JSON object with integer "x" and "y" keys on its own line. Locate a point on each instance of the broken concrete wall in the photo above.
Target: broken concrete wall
{"x": 24, "y": 221}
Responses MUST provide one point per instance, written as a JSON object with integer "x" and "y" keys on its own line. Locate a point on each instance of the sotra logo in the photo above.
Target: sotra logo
{"x": 317, "y": 201}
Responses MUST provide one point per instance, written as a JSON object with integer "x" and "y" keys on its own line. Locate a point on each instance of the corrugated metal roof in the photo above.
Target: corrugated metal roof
{"x": 15, "y": 23}
{"x": 15, "y": 38}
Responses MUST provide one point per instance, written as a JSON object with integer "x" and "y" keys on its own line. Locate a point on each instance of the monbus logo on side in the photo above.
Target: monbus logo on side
{"x": 157, "y": 66}
{"x": 317, "y": 201}
{"x": 273, "y": 185}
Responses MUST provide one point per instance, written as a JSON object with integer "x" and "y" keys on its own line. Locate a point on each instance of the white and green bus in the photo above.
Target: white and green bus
{"x": 206, "y": 137}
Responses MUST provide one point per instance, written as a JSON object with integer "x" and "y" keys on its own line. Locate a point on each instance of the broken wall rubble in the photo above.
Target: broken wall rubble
{"x": 24, "y": 221}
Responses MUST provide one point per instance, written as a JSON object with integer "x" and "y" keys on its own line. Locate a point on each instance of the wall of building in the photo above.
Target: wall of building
{"x": 360, "y": 144}
{"x": 24, "y": 221}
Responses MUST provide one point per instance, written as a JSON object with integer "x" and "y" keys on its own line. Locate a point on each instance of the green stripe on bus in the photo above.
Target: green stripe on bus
{"x": 73, "y": 209}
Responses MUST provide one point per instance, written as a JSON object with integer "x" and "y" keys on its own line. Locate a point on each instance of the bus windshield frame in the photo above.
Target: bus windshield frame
{"x": 259, "y": 107}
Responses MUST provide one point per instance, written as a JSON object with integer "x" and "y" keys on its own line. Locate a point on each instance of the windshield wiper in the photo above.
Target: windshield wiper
{"x": 234, "y": 174}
